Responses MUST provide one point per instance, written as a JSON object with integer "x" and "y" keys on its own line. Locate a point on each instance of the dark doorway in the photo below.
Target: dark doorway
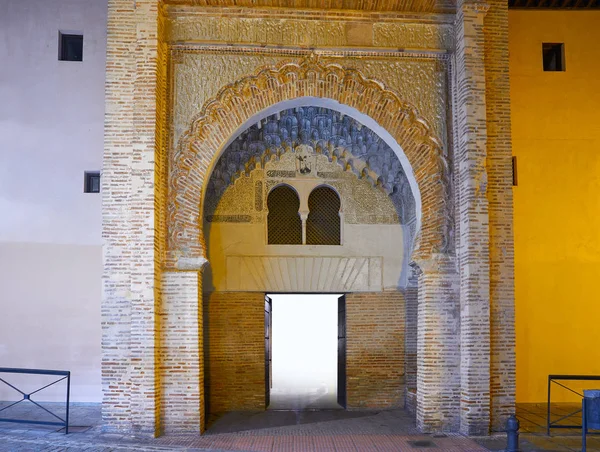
{"x": 341, "y": 374}
{"x": 268, "y": 351}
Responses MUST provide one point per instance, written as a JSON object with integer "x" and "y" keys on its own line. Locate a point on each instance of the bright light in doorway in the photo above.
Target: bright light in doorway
{"x": 304, "y": 351}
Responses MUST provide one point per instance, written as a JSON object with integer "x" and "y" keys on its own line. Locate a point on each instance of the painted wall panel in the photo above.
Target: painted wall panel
{"x": 556, "y": 138}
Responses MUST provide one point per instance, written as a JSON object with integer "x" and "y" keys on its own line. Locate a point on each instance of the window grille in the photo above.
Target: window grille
{"x": 283, "y": 222}
{"x": 323, "y": 224}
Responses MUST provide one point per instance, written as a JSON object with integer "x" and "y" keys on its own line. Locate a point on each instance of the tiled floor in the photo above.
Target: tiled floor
{"x": 533, "y": 426}
{"x": 533, "y": 420}
{"x": 303, "y": 431}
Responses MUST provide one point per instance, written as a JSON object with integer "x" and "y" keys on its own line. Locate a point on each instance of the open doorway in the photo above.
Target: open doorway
{"x": 305, "y": 360}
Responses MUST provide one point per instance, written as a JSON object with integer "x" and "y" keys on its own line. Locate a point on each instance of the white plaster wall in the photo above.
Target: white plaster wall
{"x": 51, "y": 314}
{"x": 51, "y": 124}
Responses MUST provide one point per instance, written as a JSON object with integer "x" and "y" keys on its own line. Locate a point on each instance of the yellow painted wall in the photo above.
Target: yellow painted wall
{"x": 556, "y": 138}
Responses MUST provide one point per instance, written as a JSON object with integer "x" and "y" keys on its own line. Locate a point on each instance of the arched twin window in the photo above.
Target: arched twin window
{"x": 284, "y": 224}
{"x": 323, "y": 224}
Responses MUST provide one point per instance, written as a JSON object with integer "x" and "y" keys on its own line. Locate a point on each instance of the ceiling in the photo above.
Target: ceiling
{"x": 554, "y": 4}
{"x": 354, "y": 5}
{"x": 439, "y": 6}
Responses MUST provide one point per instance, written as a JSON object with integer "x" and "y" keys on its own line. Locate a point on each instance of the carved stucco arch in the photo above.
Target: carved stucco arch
{"x": 225, "y": 115}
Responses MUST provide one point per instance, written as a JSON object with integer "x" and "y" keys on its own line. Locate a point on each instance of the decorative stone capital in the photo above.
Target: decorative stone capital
{"x": 191, "y": 263}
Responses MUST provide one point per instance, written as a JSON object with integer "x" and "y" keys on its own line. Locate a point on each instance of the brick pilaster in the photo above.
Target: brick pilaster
{"x": 181, "y": 353}
{"x": 131, "y": 275}
{"x": 438, "y": 362}
{"x": 116, "y": 183}
{"x": 472, "y": 212}
{"x": 500, "y": 197}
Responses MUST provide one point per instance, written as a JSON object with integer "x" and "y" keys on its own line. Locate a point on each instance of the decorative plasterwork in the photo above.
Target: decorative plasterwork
{"x": 418, "y": 79}
{"x": 236, "y": 103}
{"x": 413, "y": 36}
{"x": 244, "y": 199}
{"x": 334, "y": 136}
{"x": 305, "y": 32}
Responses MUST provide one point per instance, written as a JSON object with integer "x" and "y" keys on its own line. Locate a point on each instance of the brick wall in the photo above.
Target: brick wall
{"x": 375, "y": 350}
{"x": 234, "y": 338}
{"x": 134, "y": 219}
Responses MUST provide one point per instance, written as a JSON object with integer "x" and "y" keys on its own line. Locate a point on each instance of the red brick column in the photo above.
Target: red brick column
{"x": 116, "y": 187}
{"x": 472, "y": 215}
{"x": 131, "y": 278}
{"x": 500, "y": 197}
{"x": 438, "y": 361}
{"x": 181, "y": 353}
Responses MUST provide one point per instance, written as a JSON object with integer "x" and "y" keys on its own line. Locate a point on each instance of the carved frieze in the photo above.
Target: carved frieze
{"x": 305, "y": 32}
{"x": 258, "y": 31}
{"x": 413, "y": 36}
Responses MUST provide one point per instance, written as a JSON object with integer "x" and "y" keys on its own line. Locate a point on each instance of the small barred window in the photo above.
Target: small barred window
{"x": 323, "y": 224}
{"x": 284, "y": 223}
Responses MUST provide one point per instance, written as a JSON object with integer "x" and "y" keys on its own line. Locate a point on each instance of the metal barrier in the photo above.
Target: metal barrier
{"x": 27, "y": 396}
{"x": 552, "y": 379}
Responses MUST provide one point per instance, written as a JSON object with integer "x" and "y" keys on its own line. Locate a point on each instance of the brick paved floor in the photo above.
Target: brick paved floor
{"x": 532, "y": 417}
{"x": 306, "y": 431}
{"x": 533, "y": 425}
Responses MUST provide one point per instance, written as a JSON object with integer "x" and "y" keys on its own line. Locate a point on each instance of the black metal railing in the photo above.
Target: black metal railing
{"x": 552, "y": 379}
{"x": 65, "y": 374}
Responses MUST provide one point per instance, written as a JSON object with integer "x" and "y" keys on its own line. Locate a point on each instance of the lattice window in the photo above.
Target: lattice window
{"x": 283, "y": 222}
{"x": 323, "y": 224}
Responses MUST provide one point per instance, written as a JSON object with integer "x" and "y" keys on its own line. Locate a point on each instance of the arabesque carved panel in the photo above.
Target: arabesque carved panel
{"x": 240, "y": 99}
{"x": 199, "y": 74}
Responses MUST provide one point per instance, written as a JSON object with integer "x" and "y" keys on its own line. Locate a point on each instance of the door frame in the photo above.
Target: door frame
{"x": 268, "y": 353}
